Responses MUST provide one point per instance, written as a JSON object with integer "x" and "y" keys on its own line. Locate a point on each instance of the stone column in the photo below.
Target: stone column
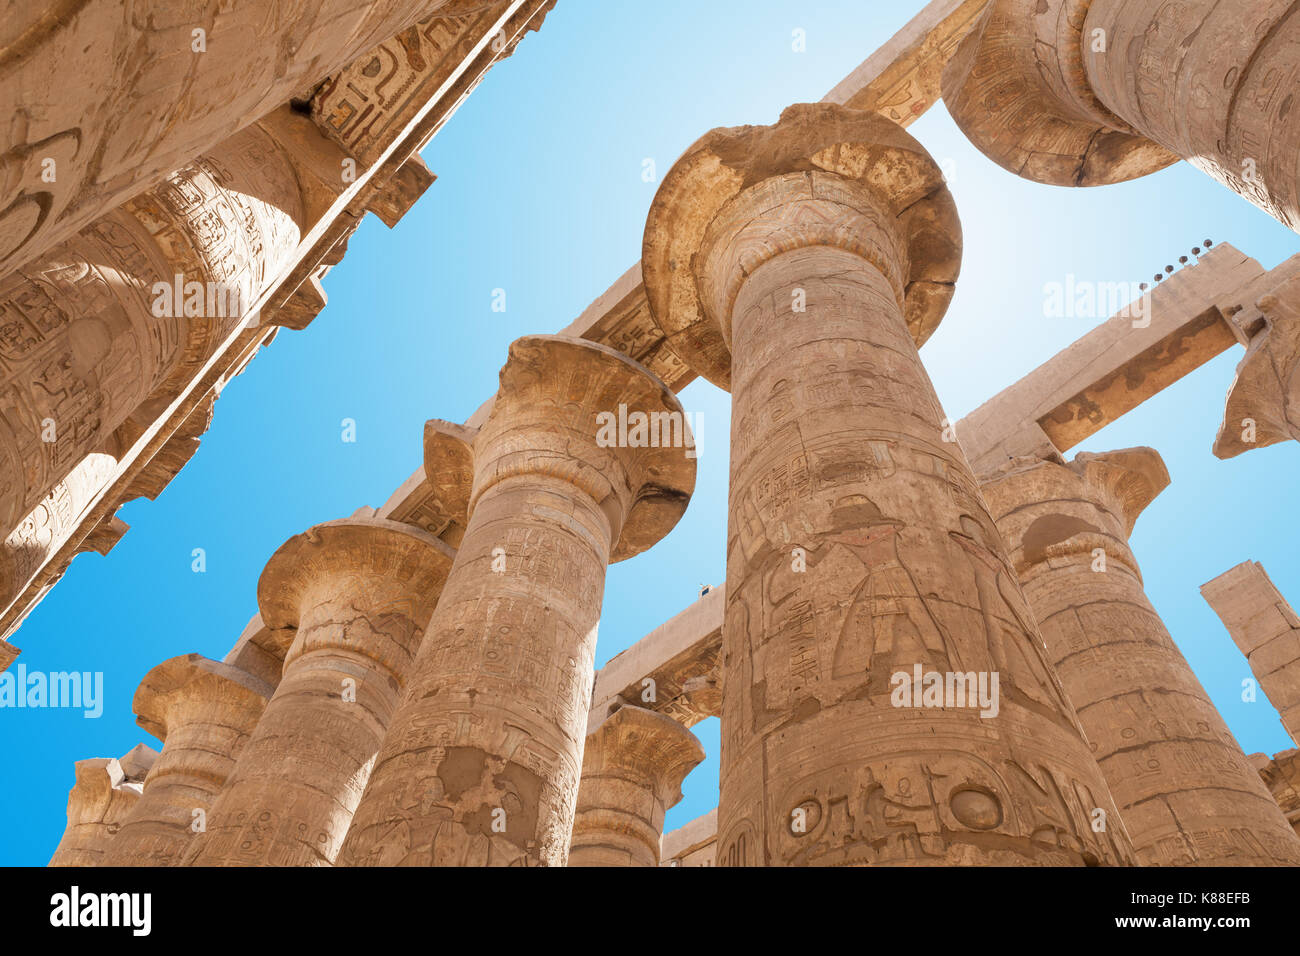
{"x": 481, "y": 763}
{"x": 138, "y": 97}
{"x": 1186, "y": 792}
{"x": 1082, "y": 94}
{"x": 106, "y": 328}
{"x": 1263, "y": 406}
{"x": 632, "y": 771}
{"x": 801, "y": 265}
{"x": 1266, "y": 629}
{"x": 104, "y": 794}
{"x": 353, "y": 597}
{"x": 203, "y": 711}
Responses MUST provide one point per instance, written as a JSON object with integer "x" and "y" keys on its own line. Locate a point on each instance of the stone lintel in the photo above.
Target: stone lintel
{"x": 902, "y": 78}
{"x": 1111, "y": 370}
{"x": 684, "y": 648}
{"x": 692, "y": 844}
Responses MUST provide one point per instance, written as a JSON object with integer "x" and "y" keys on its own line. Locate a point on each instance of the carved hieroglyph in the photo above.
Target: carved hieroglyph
{"x": 105, "y": 792}
{"x": 1084, "y": 93}
{"x": 152, "y": 92}
{"x": 1263, "y": 405}
{"x": 204, "y": 712}
{"x": 1266, "y": 629}
{"x": 801, "y": 264}
{"x": 482, "y": 758}
{"x": 1186, "y": 792}
{"x": 353, "y": 597}
{"x": 632, "y": 771}
{"x": 87, "y": 337}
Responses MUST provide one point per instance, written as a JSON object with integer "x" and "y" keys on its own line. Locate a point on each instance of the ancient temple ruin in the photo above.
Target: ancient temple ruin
{"x": 418, "y": 687}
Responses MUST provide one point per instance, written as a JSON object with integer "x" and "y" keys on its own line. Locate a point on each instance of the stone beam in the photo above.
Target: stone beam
{"x": 1266, "y": 629}
{"x": 692, "y": 844}
{"x": 1196, "y": 314}
{"x": 679, "y": 657}
{"x": 901, "y": 80}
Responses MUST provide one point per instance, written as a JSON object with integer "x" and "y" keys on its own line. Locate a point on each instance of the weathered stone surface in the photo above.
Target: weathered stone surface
{"x": 1186, "y": 793}
{"x": 1197, "y": 313}
{"x": 694, "y": 844}
{"x": 1266, "y": 629}
{"x": 352, "y": 599}
{"x": 1085, "y": 93}
{"x": 1282, "y": 777}
{"x": 858, "y": 545}
{"x": 493, "y": 721}
{"x": 633, "y": 766}
{"x": 454, "y": 48}
{"x": 663, "y": 671}
{"x": 105, "y": 791}
{"x": 149, "y": 101}
{"x": 1263, "y": 405}
{"x": 204, "y": 712}
{"x": 118, "y": 317}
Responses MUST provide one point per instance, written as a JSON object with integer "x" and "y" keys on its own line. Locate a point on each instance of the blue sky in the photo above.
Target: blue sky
{"x": 540, "y": 193}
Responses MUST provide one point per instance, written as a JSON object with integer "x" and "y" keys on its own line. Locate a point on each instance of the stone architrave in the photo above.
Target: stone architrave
{"x": 1263, "y": 406}
{"x": 105, "y": 792}
{"x": 1266, "y": 629}
{"x": 1083, "y": 94}
{"x": 801, "y": 265}
{"x": 632, "y": 771}
{"x": 482, "y": 758}
{"x": 353, "y": 597}
{"x": 204, "y": 712}
{"x": 1186, "y": 792}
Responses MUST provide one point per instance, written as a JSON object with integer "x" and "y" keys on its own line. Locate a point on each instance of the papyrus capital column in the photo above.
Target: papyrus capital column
{"x": 104, "y": 793}
{"x": 482, "y": 759}
{"x": 1088, "y": 92}
{"x": 801, "y": 265}
{"x": 353, "y": 597}
{"x": 204, "y": 712}
{"x": 1186, "y": 792}
{"x": 1263, "y": 406}
{"x": 632, "y": 771}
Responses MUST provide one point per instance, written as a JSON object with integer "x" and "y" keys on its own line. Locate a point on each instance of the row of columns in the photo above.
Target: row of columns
{"x": 801, "y": 266}
{"x": 447, "y": 736}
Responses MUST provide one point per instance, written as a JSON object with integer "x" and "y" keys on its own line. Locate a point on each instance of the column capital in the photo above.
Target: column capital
{"x": 564, "y": 409}
{"x": 644, "y": 742}
{"x": 823, "y": 175}
{"x": 189, "y": 687}
{"x": 633, "y": 766}
{"x": 1264, "y": 401}
{"x": 406, "y": 562}
{"x": 1053, "y": 510}
{"x": 1018, "y": 88}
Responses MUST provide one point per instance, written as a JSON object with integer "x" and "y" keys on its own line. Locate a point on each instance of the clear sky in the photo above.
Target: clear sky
{"x": 540, "y": 193}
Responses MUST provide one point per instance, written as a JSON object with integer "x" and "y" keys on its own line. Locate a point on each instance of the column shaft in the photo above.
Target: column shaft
{"x": 360, "y": 592}
{"x": 836, "y": 452}
{"x": 1186, "y": 792}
